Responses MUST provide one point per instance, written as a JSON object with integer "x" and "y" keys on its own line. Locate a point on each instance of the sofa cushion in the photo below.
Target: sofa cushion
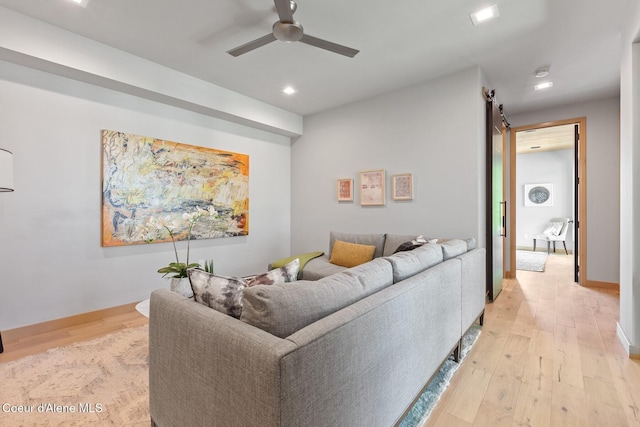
{"x": 218, "y": 292}
{"x": 286, "y": 273}
{"x": 348, "y": 254}
{"x": 284, "y": 308}
{"x": 320, "y": 267}
{"x": 376, "y": 240}
{"x": 393, "y": 241}
{"x": 408, "y": 263}
{"x": 451, "y": 248}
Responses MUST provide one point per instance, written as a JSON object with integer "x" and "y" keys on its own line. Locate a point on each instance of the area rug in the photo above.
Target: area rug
{"x": 104, "y": 381}
{"x": 530, "y": 261}
{"x": 423, "y": 407}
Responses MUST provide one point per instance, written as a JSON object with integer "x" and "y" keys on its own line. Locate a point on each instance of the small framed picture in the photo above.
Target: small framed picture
{"x": 402, "y": 185}
{"x": 345, "y": 190}
{"x": 372, "y": 188}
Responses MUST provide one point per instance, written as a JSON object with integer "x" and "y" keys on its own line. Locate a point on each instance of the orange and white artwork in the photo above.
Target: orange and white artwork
{"x": 149, "y": 182}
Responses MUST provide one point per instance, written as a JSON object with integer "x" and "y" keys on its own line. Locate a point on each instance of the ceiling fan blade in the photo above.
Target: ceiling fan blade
{"x": 283, "y": 7}
{"x": 248, "y": 47}
{"x": 333, "y": 47}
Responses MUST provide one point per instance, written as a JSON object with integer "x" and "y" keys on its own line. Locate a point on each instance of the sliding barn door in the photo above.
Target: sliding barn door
{"x": 576, "y": 203}
{"x": 496, "y": 206}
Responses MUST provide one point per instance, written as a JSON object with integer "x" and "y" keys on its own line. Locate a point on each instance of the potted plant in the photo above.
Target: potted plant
{"x": 177, "y": 271}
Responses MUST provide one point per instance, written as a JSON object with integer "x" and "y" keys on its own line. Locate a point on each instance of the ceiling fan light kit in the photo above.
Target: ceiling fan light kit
{"x": 286, "y": 29}
{"x": 287, "y": 32}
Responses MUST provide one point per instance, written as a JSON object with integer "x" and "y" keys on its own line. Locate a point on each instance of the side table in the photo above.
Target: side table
{"x": 143, "y": 307}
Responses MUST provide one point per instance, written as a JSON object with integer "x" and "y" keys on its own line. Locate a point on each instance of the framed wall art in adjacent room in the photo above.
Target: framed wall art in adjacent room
{"x": 345, "y": 190}
{"x": 372, "y": 188}
{"x": 538, "y": 195}
{"x": 402, "y": 185}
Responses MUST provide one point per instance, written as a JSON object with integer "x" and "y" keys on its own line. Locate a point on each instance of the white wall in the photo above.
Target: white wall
{"x": 554, "y": 167}
{"x": 50, "y": 255}
{"x": 629, "y": 325}
{"x": 603, "y": 181}
{"x": 434, "y": 130}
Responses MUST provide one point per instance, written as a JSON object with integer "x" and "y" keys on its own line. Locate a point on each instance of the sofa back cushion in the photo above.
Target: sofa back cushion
{"x": 408, "y": 263}
{"x": 451, "y": 248}
{"x": 393, "y": 241}
{"x": 376, "y": 240}
{"x": 285, "y": 308}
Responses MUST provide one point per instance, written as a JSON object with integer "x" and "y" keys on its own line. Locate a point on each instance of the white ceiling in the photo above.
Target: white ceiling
{"x": 400, "y": 43}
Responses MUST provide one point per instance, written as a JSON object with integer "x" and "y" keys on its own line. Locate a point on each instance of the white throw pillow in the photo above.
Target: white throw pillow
{"x": 553, "y": 228}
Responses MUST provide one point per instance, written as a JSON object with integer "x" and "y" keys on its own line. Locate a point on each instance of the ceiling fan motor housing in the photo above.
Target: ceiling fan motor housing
{"x": 287, "y": 32}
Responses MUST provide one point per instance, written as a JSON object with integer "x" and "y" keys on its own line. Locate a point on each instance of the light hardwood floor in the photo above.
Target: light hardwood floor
{"x": 548, "y": 355}
{"x": 39, "y": 338}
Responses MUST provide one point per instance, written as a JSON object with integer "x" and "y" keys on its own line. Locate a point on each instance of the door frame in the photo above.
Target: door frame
{"x": 582, "y": 194}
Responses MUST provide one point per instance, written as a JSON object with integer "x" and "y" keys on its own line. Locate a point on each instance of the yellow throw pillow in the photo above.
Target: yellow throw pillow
{"x": 348, "y": 254}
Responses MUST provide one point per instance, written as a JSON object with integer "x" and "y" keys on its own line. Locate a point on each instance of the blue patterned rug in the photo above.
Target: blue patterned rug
{"x": 427, "y": 401}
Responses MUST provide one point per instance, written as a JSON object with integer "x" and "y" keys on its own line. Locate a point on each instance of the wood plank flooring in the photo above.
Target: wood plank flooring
{"x": 548, "y": 355}
{"x": 40, "y": 338}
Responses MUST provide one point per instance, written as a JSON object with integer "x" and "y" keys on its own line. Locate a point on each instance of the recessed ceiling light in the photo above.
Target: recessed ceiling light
{"x": 542, "y": 72}
{"x": 82, "y": 3}
{"x": 289, "y": 90}
{"x": 544, "y": 85}
{"x": 484, "y": 15}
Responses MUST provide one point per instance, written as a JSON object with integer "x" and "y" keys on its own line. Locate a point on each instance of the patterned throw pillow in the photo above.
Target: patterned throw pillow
{"x": 286, "y": 273}
{"x": 407, "y": 246}
{"x": 350, "y": 255}
{"x": 225, "y": 293}
{"x": 411, "y": 245}
{"x": 218, "y": 292}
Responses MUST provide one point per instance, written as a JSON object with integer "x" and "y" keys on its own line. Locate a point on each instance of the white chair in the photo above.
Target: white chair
{"x": 555, "y": 231}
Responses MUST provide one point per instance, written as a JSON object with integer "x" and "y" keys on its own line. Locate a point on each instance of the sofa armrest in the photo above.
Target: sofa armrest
{"x": 201, "y": 360}
{"x": 473, "y": 286}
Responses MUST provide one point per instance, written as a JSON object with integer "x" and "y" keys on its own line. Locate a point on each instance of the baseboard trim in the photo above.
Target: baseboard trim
{"x": 602, "y": 285}
{"x": 13, "y": 335}
{"x": 632, "y": 350}
{"x": 559, "y": 250}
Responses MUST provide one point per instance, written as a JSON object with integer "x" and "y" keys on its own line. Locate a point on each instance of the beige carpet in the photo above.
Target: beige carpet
{"x": 100, "y": 382}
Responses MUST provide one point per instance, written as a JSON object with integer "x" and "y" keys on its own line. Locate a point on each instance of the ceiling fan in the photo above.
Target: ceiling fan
{"x": 288, "y": 30}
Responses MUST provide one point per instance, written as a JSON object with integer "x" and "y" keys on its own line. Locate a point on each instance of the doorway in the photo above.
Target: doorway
{"x": 560, "y": 144}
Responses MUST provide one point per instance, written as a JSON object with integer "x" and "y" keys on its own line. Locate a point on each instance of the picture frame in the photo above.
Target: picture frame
{"x": 372, "y": 188}
{"x": 538, "y": 195}
{"x": 402, "y": 186}
{"x": 344, "y": 189}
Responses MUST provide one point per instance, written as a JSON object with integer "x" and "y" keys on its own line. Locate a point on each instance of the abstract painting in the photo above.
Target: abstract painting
{"x": 153, "y": 189}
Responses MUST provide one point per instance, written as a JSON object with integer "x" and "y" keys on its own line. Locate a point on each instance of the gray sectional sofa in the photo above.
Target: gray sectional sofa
{"x": 354, "y": 348}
